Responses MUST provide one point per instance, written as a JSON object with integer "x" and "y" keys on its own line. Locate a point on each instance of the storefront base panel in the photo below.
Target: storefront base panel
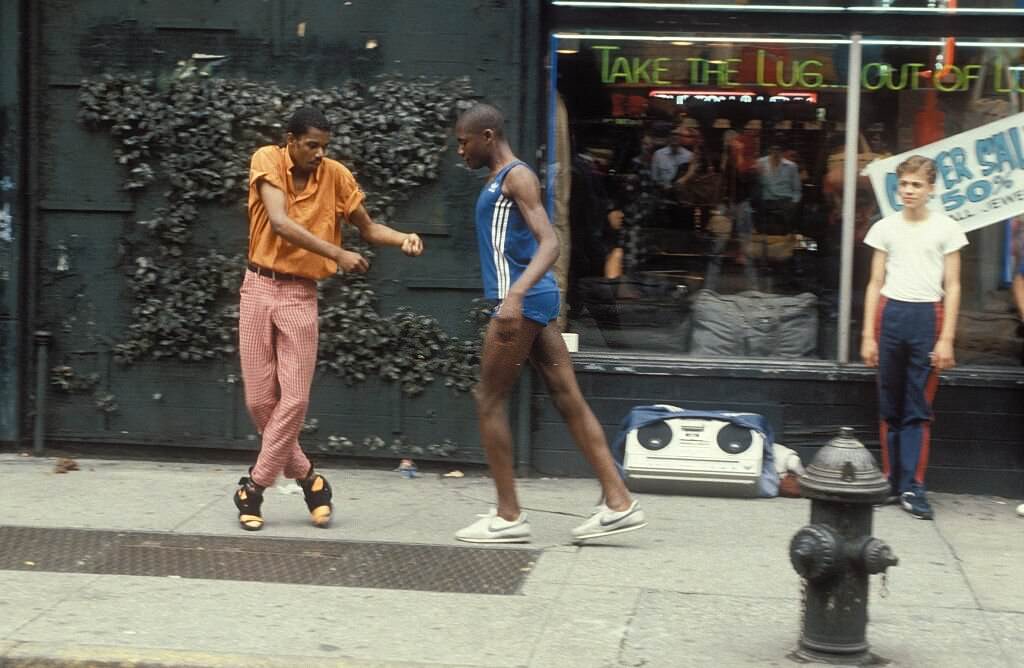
{"x": 977, "y": 447}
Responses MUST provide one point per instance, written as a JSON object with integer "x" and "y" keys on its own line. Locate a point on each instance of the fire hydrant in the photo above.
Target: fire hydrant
{"x": 836, "y": 553}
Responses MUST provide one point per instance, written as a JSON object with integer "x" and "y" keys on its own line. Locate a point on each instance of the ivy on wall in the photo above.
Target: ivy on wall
{"x": 67, "y": 381}
{"x": 194, "y": 134}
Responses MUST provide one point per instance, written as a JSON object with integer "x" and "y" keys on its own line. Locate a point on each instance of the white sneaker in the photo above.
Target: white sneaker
{"x": 606, "y": 522}
{"x": 493, "y": 529}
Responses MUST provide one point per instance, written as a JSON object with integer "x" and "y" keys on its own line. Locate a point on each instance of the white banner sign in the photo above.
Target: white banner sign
{"x": 980, "y": 174}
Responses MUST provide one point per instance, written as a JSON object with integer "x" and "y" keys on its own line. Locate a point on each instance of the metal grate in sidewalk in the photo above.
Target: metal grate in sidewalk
{"x": 416, "y": 567}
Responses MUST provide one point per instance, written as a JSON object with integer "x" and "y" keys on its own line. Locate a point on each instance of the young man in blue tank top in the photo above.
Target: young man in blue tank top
{"x": 518, "y": 246}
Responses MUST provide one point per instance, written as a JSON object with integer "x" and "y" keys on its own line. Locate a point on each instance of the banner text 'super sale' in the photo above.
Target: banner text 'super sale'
{"x": 980, "y": 174}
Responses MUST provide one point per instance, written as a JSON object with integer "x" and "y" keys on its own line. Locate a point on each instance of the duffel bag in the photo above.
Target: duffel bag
{"x": 754, "y": 324}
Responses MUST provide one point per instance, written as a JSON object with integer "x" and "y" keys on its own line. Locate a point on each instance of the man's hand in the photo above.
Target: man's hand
{"x": 412, "y": 245}
{"x": 509, "y": 317}
{"x": 351, "y": 263}
{"x": 869, "y": 351}
{"x": 942, "y": 355}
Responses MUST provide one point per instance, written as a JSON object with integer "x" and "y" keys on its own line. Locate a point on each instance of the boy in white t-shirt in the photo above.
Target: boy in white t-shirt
{"x": 910, "y": 312}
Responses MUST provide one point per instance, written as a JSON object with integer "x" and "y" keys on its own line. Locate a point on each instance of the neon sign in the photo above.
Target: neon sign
{"x": 741, "y": 96}
{"x": 763, "y": 68}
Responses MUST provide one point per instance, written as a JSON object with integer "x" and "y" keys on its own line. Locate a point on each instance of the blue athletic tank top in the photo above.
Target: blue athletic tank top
{"x": 505, "y": 241}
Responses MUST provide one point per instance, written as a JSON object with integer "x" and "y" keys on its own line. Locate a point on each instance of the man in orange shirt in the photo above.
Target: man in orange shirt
{"x": 297, "y": 196}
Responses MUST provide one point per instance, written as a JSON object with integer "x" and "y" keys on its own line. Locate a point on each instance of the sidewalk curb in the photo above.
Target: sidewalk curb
{"x": 15, "y": 654}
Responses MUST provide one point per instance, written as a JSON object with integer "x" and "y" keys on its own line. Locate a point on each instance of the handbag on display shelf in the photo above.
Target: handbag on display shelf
{"x": 700, "y": 190}
{"x": 771, "y": 246}
{"x": 720, "y": 225}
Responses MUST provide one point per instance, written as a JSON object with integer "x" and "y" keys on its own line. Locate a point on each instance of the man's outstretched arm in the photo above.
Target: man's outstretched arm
{"x": 382, "y": 235}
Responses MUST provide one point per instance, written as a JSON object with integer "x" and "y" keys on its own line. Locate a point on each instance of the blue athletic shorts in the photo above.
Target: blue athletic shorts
{"x": 542, "y": 308}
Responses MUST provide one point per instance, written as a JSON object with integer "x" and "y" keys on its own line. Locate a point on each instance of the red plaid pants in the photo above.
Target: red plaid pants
{"x": 278, "y": 335}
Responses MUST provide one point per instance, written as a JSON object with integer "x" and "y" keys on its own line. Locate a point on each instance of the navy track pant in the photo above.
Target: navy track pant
{"x": 906, "y": 332}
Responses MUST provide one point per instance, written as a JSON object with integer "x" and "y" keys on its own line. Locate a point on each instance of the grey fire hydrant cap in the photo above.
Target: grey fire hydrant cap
{"x": 844, "y": 471}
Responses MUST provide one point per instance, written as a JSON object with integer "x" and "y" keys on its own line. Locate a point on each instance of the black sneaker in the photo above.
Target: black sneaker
{"x": 249, "y": 500}
{"x": 916, "y": 503}
{"x": 318, "y": 495}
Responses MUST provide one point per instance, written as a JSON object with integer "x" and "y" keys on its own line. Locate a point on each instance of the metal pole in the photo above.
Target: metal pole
{"x": 552, "y": 156}
{"x": 850, "y": 169}
{"x": 42, "y": 341}
{"x": 32, "y": 234}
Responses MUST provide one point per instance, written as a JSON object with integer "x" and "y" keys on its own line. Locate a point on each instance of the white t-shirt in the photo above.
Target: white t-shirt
{"x": 916, "y": 254}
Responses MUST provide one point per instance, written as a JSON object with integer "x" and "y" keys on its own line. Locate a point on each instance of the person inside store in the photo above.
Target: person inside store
{"x": 866, "y": 212}
{"x": 596, "y": 230}
{"x": 691, "y": 193}
{"x": 792, "y": 155}
{"x": 668, "y": 164}
{"x": 668, "y": 160}
{"x": 733, "y": 214}
{"x": 691, "y": 177}
{"x": 642, "y": 164}
{"x": 636, "y": 204}
{"x": 698, "y": 191}
{"x": 876, "y": 141}
{"x": 779, "y": 192}
{"x": 911, "y": 305}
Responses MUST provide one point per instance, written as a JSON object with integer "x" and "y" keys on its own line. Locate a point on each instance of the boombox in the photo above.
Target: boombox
{"x": 690, "y": 455}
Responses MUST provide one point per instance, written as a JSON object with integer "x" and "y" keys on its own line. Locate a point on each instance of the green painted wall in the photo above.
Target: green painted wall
{"x": 89, "y": 238}
{"x": 11, "y": 219}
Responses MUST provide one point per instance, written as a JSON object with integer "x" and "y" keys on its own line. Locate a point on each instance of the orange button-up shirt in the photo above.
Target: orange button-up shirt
{"x": 331, "y": 192}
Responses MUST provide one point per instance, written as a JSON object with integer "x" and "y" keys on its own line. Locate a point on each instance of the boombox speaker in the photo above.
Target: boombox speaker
{"x": 694, "y": 455}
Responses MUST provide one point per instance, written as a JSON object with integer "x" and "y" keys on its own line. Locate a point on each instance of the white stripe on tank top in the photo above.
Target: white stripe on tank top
{"x": 499, "y": 232}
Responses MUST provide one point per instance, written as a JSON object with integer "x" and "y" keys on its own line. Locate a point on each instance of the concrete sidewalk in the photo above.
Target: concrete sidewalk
{"x": 708, "y": 583}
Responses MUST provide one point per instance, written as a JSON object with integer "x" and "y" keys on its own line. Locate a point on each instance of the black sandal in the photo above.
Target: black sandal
{"x": 248, "y": 500}
{"x": 318, "y": 495}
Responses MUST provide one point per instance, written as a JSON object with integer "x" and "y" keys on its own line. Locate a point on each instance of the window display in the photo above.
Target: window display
{"x": 705, "y": 186}
{"x": 698, "y": 201}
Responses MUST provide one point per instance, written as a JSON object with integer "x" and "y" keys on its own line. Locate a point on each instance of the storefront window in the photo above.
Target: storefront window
{"x": 959, "y": 104}
{"x": 697, "y": 193}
